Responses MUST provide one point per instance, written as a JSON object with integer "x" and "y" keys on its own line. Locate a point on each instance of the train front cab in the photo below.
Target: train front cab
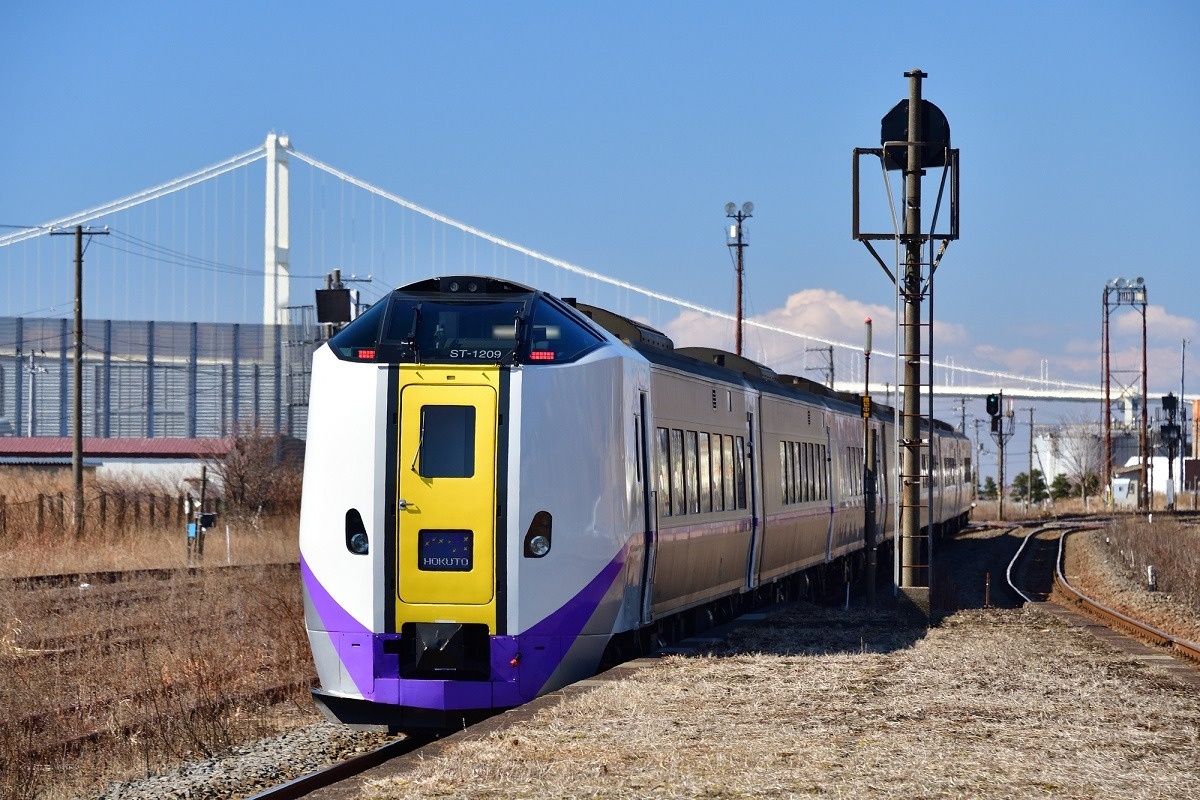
{"x": 445, "y": 640}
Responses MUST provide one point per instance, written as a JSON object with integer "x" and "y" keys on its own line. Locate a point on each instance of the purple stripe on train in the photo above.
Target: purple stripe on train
{"x": 336, "y": 620}
{"x": 542, "y": 649}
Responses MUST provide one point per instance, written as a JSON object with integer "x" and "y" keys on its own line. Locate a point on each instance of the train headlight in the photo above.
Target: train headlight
{"x": 537, "y": 538}
{"x": 356, "y": 534}
{"x": 539, "y": 546}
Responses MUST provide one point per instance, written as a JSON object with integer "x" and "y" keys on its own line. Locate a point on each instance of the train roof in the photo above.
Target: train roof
{"x": 627, "y": 330}
{"x": 722, "y": 365}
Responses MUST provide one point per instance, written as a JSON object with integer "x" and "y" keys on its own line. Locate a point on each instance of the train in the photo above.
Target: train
{"x": 505, "y": 491}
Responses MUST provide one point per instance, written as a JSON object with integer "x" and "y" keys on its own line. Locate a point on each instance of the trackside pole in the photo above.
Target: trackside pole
{"x": 914, "y": 135}
{"x": 869, "y": 442}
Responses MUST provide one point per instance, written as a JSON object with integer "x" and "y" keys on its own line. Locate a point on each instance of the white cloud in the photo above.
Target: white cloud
{"x": 1160, "y": 325}
{"x": 832, "y": 316}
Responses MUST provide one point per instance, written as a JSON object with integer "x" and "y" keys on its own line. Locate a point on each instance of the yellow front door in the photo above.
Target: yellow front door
{"x": 446, "y": 496}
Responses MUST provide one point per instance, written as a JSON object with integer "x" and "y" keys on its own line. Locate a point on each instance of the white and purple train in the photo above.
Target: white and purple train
{"x": 504, "y": 490}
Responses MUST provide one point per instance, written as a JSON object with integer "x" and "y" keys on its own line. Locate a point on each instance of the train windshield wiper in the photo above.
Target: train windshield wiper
{"x": 411, "y": 341}
{"x": 420, "y": 444}
{"x": 518, "y": 325}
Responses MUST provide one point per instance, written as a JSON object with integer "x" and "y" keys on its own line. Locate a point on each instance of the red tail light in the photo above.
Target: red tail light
{"x": 365, "y": 354}
{"x": 541, "y": 355}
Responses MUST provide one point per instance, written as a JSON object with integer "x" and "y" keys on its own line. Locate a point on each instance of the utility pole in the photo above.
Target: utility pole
{"x": 77, "y": 433}
{"x": 1029, "y": 486}
{"x": 1182, "y": 416}
{"x": 828, "y": 368}
{"x": 32, "y": 371}
{"x": 978, "y": 453}
{"x": 736, "y": 239}
{"x": 1000, "y": 441}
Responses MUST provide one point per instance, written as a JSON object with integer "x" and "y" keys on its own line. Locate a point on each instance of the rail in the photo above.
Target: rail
{"x": 343, "y": 770}
{"x": 1114, "y": 618}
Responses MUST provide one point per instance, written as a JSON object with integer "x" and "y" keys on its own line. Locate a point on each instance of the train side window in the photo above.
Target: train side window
{"x": 664, "y": 472}
{"x": 360, "y": 338}
{"x": 637, "y": 448}
{"x": 557, "y": 337}
{"x": 740, "y": 471}
{"x": 718, "y": 490}
{"x": 796, "y": 451}
{"x": 794, "y": 494}
{"x": 812, "y": 474}
{"x": 447, "y": 446}
{"x": 704, "y": 474}
{"x": 678, "y": 496}
{"x": 784, "y": 473}
{"x": 796, "y": 472}
{"x": 730, "y": 471}
{"x": 691, "y": 472}
{"x": 821, "y": 470}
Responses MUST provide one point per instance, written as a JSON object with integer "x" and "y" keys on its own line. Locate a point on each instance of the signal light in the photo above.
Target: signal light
{"x": 997, "y": 424}
{"x": 993, "y": 404}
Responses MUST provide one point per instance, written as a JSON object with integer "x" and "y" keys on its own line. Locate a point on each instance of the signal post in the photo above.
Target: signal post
{"x": 914, "y": 135}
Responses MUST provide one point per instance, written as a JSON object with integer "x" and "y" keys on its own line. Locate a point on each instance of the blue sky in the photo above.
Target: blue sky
{"x": 611, "y": 135}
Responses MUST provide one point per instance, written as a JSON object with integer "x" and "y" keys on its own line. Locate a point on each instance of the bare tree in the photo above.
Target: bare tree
{"x": 1077, "y": 448}
{"x": 259, "y": 473}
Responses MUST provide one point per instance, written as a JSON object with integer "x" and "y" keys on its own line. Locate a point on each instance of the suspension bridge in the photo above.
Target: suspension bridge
{"x": 239, "y": 248}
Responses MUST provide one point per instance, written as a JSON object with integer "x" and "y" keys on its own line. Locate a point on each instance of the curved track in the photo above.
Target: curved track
{"x": 1035, "y": 573}
{"x": 1115, "y": 619}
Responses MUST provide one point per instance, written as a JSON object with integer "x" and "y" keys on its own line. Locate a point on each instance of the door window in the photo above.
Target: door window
{"x": 447, "y": 448}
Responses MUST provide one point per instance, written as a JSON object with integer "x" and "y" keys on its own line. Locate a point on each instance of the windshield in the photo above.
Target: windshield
{"x": 433, "y": 328}
{"x": 437, "y": 331}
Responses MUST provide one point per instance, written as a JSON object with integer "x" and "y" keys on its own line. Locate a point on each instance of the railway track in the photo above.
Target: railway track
{"x": 1035, "y": 573}
{"x": 1115, "y": 619}
{"x": 74, "y": 580}
{"x": 343, "y": 770}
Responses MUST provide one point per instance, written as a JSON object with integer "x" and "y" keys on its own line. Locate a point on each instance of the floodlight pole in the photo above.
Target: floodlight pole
{"x": 737, "y": 240}
{"x": 1131, "y": 293}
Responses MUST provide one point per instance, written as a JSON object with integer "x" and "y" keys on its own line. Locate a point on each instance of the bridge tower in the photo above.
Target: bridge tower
{"x": 276, "y": 268}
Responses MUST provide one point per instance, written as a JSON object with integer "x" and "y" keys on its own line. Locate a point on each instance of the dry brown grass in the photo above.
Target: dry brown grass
{"x": 1164, "y": 543}
{"x": 176, "y": 650}
{"x": 1110, "y": 566}
{"x": 169, "y": 653}
{"x": 992, "y": 704}
{"x": 143, "y": 528}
